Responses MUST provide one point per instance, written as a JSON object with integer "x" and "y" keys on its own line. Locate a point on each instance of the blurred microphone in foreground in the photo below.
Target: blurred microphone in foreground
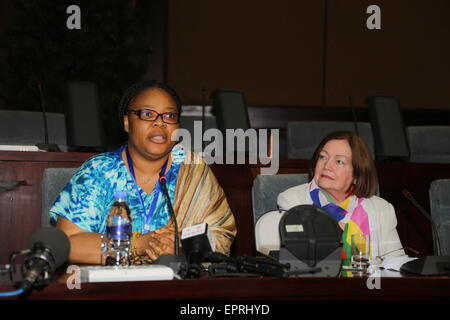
{"x": 49, "y": 249}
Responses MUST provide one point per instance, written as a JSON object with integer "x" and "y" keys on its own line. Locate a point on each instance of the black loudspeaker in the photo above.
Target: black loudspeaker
{"x": 436, "y": 266}
{"x": 310, "y": 241}
{"x": 230, "y": 109}
{"x": 84, "y": 125}
{"x": 388, "y": 129}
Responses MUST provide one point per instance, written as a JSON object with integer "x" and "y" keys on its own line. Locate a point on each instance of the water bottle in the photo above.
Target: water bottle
{"x": 117, "y": 240}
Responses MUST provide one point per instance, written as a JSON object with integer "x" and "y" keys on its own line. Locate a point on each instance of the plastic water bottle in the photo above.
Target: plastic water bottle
{"x": 117, "y": 241}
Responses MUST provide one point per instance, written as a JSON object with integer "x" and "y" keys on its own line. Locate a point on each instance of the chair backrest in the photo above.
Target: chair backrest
{"x": 192, "y": 115}
{"x": 53, "y": 181}
{"x": 84, "y": 123}
{"x": 440, "y": 212}
{"x": 388, "y": 127}
{"x": 266, "y": 189}
{"x": 27, "y": 128}
{"x": 230, "y": 109}
{"x": 429, "y": 143}
{"x": 303, "y": 137}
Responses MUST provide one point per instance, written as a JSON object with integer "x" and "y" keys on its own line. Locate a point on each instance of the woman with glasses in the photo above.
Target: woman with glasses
{"x": 150, "y": 114}
{"x": 344, "y": 183}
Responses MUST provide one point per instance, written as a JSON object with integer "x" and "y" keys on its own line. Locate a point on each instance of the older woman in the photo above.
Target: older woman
{"x": 150, "y": 113}
{"x": 344, "y": 183}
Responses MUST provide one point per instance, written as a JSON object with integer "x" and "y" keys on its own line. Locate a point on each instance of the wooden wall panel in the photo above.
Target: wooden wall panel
{"x": 275, "y": 51}
{"x": 270, "y": 50}
{"x": 408, "y": 57}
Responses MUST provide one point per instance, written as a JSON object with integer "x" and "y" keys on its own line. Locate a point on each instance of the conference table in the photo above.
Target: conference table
{"x": 250, "y": 288}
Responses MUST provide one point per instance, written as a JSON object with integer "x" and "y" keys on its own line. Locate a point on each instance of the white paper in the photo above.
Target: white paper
{"x": 7, "y": 147}
{"x": 394, "y": 263}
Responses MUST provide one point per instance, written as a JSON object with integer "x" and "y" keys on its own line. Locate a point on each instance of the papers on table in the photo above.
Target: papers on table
{"x": 7, "y": 147}
{"x": 394, "y": 263}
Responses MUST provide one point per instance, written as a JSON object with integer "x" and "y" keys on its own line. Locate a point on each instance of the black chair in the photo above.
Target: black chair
{"x": 230, "y": 109}
{"x": 303, "y": 137}
{"x": 266, "y": 189}
{"x": 84, "y": 123}
{"x": 388, "y": 128}
{"x": 429, "y": 143}
{"x": 231, "y": 113}
{"x": 19, "y": 127}
{"x": 53, "y": 181}
{"x": 440, "y": 213}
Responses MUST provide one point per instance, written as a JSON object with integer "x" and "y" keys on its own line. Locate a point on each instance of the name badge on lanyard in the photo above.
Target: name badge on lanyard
{"x": 148, "y": 215}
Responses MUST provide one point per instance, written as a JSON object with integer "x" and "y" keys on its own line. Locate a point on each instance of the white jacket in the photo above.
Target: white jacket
{"x": 382, "y": 220}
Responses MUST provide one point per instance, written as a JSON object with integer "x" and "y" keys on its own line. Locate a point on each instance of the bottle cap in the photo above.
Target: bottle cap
{"x": 120, "y": 195}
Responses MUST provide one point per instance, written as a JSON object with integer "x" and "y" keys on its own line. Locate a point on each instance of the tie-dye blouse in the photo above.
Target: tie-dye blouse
{"x": 88, "y": 196}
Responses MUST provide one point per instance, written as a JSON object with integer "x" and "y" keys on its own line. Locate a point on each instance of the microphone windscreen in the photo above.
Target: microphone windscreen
{"x": 55, "y": 240}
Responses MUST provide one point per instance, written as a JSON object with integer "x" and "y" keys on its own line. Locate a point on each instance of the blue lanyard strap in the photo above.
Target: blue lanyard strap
{"x": 148, "y": 215}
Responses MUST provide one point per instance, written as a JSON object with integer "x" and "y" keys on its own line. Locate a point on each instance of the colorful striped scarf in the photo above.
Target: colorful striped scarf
{"x": 349, "y": 210}
{"x": 199, "y": 198}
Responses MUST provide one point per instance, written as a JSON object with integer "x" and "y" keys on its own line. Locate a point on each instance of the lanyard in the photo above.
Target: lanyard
{"x": 148, "y": 216}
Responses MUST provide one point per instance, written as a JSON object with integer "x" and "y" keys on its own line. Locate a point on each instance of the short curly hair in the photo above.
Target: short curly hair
{"x": 136, "y": 89}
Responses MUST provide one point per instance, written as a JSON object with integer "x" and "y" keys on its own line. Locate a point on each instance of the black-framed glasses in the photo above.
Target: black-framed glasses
{"x": 150, "y": 115}
{"x": 381, "y": 258}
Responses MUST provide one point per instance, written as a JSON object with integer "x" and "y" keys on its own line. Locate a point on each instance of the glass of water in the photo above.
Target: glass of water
{"x": 361, "y": 251}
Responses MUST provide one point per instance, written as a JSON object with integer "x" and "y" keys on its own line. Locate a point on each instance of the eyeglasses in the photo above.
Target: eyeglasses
{"x": 150, "y": 115}
{"x": 381, "y": 258}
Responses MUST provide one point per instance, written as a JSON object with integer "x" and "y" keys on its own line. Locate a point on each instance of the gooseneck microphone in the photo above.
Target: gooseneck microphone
{"x": 195, "y": 242}
{"x": 355, "y": 120}
{"x": 46, "y": 145}
{"x": 436, "y": 265}
{"x": 203, "y": 114}
{"x": 49, "y": 249}
{"x": 410, "y": 197}
{"x": 162, "y": 179}
{"x": 174, "y": 261}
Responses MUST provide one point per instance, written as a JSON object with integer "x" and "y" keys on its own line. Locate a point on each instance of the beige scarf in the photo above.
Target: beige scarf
{"x": 199, "y": 198}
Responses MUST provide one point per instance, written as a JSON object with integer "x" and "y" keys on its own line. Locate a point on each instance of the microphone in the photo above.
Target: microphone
{"x": 162, "y": 179}
{"x": 355, "y": 121}
{"x": 203, "y": 114}
{"x": 197, "y": 241}
{"x": 50, "y": 248}
{"x": 174, "y": 261}
{"x": 437, "y": 265}
{"x": 46, "y": 145}
{"x": 410, "y": 197}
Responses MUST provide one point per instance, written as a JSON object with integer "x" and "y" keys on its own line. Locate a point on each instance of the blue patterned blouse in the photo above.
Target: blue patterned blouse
{"x": 88, "y": 196}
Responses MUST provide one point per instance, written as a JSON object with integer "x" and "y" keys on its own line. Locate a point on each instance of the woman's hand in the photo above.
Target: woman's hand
{"x": 160, "y": 242}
